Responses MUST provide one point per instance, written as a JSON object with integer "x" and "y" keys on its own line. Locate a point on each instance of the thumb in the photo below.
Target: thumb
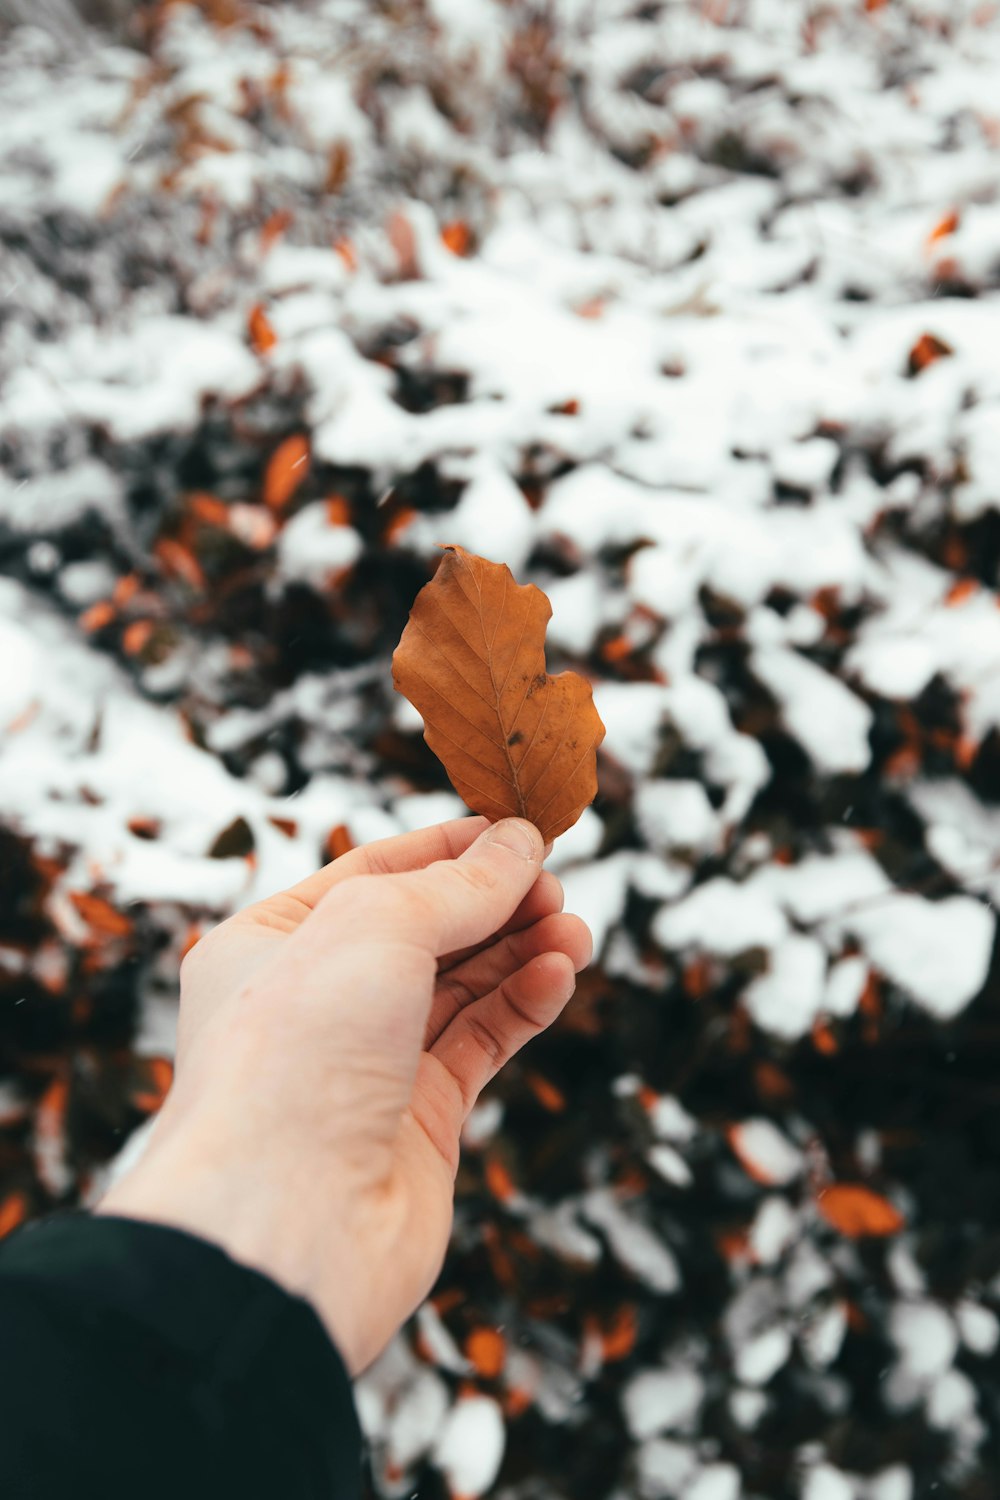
{"x": 470, "y": 897}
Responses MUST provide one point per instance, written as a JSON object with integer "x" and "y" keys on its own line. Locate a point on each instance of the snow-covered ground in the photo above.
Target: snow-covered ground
{"x": 690, "y": 312}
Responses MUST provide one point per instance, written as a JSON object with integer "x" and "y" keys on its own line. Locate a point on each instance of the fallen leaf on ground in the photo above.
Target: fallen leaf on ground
{"x": 856, "y": 1211}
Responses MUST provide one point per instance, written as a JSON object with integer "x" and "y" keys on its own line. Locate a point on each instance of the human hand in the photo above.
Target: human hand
{"x": 332, "y": 1040}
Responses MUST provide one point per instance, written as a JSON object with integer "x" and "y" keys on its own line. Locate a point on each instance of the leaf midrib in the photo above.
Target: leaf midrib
{"x": 515, "y": 782}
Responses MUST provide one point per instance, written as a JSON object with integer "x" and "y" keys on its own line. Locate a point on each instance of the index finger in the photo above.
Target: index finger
{"x": 391, "y": 856}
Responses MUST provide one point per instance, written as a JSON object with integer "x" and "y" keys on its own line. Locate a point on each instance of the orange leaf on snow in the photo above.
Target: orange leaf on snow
{"x": 927, "y": 351}
{"x": 125, "y": 589}
{"x": 499, "y": 1181}
{"x": 617, "y": 1336}
{"x": 856, "y": 1211}
{"x": 338, "y": 510}
{"x": 286, "y": 469}
{"x": 100, "y": 915}
{"x": 180, "y": 561}
{"x": 97, "y": 616}
{"x": 904, "y": 763}
{"x": 545, "y": 1091}
{"x": 50, "y": 1112}
{"x": 192, "y": 936}
{"x": 961, "y": 590}
{"x": 943, "y": 228}
{"x": 471, "y": 660}
{"x": 764, "y": 1153}
{"x": 338, "y": 167}
{"x": 398, "y": 523}
{"x": 13, "y": 1211}
{"x": 457, "y": 237}
{"x": 208, "y": 509}
{"x": 144, "y": 827}
{"x": 347, "y": 253}
{"x": 965, "y": 752}
{"x": 617, "y": 649}
{"x": 287, "y": 826}
{"x": 262, "y": 336}
{"x": 274, "y": 227}
{"x": 486, "y": 1349}
{"x": 136, "y": 636}
{"x": 823, "y": 1038}
{"x": 339, "y": 841}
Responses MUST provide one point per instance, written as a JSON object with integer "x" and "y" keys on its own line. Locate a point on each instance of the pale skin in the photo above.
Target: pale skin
{"x": 332, "y": 1040}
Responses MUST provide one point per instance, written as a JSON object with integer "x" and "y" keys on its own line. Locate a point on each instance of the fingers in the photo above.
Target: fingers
{"x": 404, "y": 851}
{"x": 459, "y": 902}
{"x": 486, "y": 1034}
{"x": 545, "y": 897}
{"x": 477, "y": 976}
{"x": 374, "y": 944}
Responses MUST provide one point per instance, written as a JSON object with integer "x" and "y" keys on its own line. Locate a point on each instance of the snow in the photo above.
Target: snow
{"x": 632, "y": 714}
{"x": 676, "y": 815}
{"x": 633, "y": 1243}
{"x": 669, "y": 1119}
{"x": 806, "y": 466}
{"x": 664, "y": 1468}
{"x": 757, "y": 1361}
{"x": 314, "y": 551}
{"x": 978, "y": 1326}
{"x": 893, "y": 1483}
{"x": 951, "y": 1400}
{"x": 597, "y": 892}
{"x": 720, "y": 917}
{"x": 938, "y": 952}
{"x": 773, "y": 1230}
{"x": 470, "y": 1446}
{"x": 494, "y": 519}
{"x": 788, "y": 997}
{"x": 417, "y": 1418}
{"x": 768, "y": 1154}
{"x": 670, "y": 1164}
{"x": 715, "y": 1482}
{"x": 925, "y": 1338}
{"x": 671, "y": 382}
{"x": 658, "y": 1401}
{"x": 824, "y": 1482}
{"x": 822, "y": 1335}
{"x": 845, "y": 985}
{"x": 827, "y": 719}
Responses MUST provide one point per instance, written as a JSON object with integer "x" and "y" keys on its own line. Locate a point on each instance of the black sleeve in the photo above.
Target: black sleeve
{"x": 138, "y": 1360}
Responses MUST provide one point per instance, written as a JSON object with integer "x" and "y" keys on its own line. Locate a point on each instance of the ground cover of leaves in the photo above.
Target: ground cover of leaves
{"x": 688, "y": 312}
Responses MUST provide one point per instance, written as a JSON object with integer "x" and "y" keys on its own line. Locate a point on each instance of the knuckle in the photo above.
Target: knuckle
{"x": 527, "y": 1020}
{"x": 457, "y": 990}
{"x": 487, "y": 1039}
{"x": 480, "y": 878}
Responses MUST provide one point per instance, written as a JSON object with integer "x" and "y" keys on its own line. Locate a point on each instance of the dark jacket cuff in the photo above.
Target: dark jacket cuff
{"x": 238, "y": 1368}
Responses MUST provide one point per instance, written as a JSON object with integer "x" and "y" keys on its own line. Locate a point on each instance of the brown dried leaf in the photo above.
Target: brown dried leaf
{"x": 514, "y": 741}
{"x": 286, "y": 469}
{"x": 857, "y": 1211}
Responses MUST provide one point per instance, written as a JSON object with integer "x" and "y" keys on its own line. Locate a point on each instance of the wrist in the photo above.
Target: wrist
{"x": 182, "y": 1191}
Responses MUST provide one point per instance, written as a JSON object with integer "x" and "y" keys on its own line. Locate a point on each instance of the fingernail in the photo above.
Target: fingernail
{"x": 520, "y": 837}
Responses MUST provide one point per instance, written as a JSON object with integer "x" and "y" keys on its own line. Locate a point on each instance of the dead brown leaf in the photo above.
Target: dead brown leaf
{"x": 514, "y": 741}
